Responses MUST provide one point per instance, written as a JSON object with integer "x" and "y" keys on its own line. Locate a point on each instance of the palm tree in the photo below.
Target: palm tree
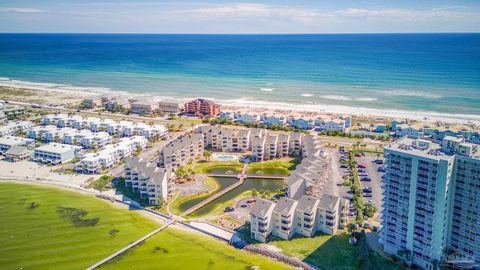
{"x": 207, "y": 154}
{"x": 192, "y": 173}
{"x": 254, "y": 193}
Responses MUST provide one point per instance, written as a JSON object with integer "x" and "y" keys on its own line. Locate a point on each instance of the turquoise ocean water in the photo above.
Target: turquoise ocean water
{"x": 410, "y": 72}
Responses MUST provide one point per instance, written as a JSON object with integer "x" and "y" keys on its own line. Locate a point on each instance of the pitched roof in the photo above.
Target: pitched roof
{"x": 285, "y": 205}
{"x": 262, "y": 207}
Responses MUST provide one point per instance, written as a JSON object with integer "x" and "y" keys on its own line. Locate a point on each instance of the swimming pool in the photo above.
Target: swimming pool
{"x": 225, "y": 157}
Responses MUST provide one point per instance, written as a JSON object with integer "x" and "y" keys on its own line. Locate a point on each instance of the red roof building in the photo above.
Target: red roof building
{"x": 202, "y": 107}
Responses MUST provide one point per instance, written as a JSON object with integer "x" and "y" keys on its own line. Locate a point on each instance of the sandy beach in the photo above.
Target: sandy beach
{"x": 65, "y": 95}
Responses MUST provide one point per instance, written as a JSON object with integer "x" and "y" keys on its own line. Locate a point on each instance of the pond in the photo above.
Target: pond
{"x": 250, "y": 183}
{"x": 223, "y": 182}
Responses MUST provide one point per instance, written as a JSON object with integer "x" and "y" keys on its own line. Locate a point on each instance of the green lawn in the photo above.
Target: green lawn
{"x": 176, "y": 249}
{"x": 35, "y": 233}
{"x": 270, "y": 167}
{"x": 50, "y": 228}
{"x": 330, "y": 252}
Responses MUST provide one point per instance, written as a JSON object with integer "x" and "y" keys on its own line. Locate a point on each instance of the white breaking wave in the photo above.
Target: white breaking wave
{"x": 307, "y": 95}
{"x": 267, "y": 89}
{"x": 336, "y": 97}
{"x": 6, "y": 82}
{"x": 406, "y": 93}
{"x": 366, "y": 99}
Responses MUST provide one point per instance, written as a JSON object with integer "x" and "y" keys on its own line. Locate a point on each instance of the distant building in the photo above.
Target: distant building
{"x": 274, "y": 120}
{"x": 88, "y": 103}
{"x": 380, "y": 128}
{"x": 302, "y": 124}
{"x": 169, "y": 106}
{"x": 55, "y": 153}
{"x": 202, "y": 107}
{"x": 17, "y": 153}
{"x": 247, "y": 118}
{"x": 9, "y": 141}
{"x": 334, "y": 124}
{"x": 143, "y": 107}
{"x": 227, "y": 115}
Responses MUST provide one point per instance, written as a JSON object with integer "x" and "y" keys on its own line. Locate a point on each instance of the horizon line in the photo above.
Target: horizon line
{"x": 239, "y": 34}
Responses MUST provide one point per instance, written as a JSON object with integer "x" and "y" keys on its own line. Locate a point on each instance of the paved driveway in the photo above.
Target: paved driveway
{"x": 376, "y": 183}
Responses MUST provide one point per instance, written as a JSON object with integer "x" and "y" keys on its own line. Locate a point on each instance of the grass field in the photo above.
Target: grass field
{"x": 330, "y": 252}
{"x": 175, "y": 249}
{"x": 49, "y": 228}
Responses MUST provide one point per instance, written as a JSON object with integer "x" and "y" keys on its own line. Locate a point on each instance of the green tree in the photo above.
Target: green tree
{"x": 207, "y": 154}
{"x": 254, "y": 193}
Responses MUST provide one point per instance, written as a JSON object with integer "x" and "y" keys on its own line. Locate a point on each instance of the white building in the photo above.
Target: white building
{"x": 94, "y": 163}
{"x": 227, "y": 115}
{"x": 284, "y": 218}
{"x": 55, "y": 153}
{"x": 7, "y": 142}
{"x": 334, "y": 124}
{"x": 75, "y": 136}
{"x": 180, "y": 151}
{"x": 247, "y": 118}
{"x": 38, "y": 132}
{"x": 53, "y": 119}
{"x": 95, "y": 140}
{"x": 431, "y": 199}
{"x": 305, "y": 216}
{"x": 151, "y": 182}
{"x": 9, "y": 129}
{"x": 55, "y": 134}
{"x": 260, "y": 220}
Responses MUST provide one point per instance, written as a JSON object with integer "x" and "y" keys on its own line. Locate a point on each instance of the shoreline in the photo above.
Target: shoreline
{"x": 243, "y": 104}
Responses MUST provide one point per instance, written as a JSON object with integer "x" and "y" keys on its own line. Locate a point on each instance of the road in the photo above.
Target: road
{"x": 332, "y": 186}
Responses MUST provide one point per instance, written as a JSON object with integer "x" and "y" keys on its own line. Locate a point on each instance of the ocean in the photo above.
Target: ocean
{"x": 405, "y": 72}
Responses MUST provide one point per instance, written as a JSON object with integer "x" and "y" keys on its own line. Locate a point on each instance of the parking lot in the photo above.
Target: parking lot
{"x": 371, "y": 168}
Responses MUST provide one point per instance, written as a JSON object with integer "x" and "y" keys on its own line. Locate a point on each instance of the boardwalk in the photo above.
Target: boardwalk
{"x": 241, "y": 177}
{"x": 131, "y": 245}
{"x": 256, "y": 176}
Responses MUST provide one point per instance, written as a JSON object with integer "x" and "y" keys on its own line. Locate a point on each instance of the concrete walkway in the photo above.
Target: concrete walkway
{"x": 131, "y": 245}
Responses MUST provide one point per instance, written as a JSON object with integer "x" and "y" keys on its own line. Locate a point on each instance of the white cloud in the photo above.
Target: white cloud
{"x": 244, "y": 10}
{"x": 20, "y": 10}
{"x": 240, "y": 10}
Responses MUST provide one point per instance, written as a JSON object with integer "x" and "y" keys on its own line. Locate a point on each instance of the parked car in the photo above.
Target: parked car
{"x": 361, "y": 166}
{"x": 366, "y": 179}
{"x": 361, "y": 170}
{"x": 364, "y": 174}
{"x": 367, "y": 195}
{"x": 344, "y": 166}
{"x": 381, "y": 169}
{"x": 358, "y": 155}
{"x": 228, "y": 209}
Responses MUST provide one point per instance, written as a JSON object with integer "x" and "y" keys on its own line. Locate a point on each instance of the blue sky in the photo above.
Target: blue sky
{"x": 199, "y": 16}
